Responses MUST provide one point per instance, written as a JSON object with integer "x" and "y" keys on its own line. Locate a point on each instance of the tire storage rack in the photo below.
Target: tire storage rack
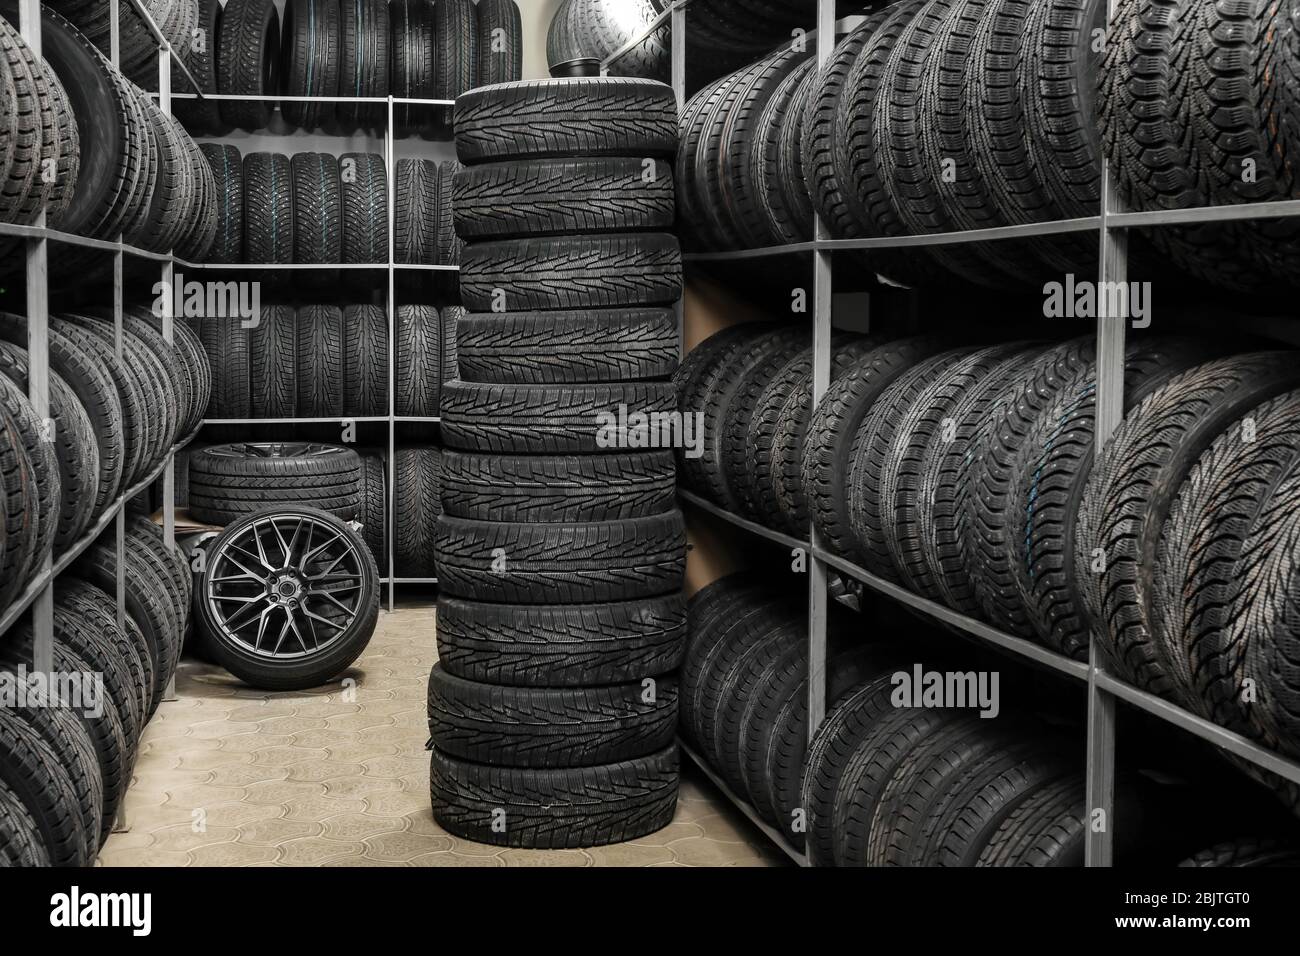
{"x": 36, "y": 239}
{"x": 389, "y": 117}
{"x": 1111, "y": 227}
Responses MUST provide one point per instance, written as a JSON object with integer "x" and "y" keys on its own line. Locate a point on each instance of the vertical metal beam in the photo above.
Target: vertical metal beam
{"x": 823, "y": 289}
{"x": 38, "y": 363}
{"x": 168, "y": 321}
{"x": 114, "y": 34}
{"x": 390, "y": 490}
{"x": 677, "y": 36}
{"x": 1111, "y": 333}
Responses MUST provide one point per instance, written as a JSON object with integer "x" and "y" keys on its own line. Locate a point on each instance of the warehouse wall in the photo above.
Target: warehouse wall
{"x": 536, "y": 15}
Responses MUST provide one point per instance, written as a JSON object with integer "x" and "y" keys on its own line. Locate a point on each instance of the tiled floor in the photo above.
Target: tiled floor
{"x": 230, "y": 776}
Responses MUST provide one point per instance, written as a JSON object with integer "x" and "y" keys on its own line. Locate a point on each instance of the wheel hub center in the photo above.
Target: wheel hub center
{"x": 285, "y": 588}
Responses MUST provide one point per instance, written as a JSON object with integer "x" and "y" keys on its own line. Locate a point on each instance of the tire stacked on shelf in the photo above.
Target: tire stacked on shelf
{"x": 882, "y": 783}
{"x": 67, "y": 753}
{"x": 119, "y": 166}
{"x": 112, "y": 421}
{"x": 228, "y": 482}
{"x": 328, "y": 362}
{"x": 138, "y": 49}
{"x": 560, "y": 551}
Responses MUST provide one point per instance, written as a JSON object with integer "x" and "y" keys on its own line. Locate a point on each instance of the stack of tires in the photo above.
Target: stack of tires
{"x": 93, "y": 151}
{"x": 310, "y": 208}
{"x": 560, "y": 551}
{"x": 113, "y": 419}
{"x": 67, "y": 753}
{"x": 882, "y": 783}
{"x": 138, "y": 49}
{"x": 364, "y": 48}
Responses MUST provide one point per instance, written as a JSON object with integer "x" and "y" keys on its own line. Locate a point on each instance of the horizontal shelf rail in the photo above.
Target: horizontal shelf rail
{"x": 1015, "y": 645}
{"x": 768, "y": 830}
{"x": 1221, "y": 737}
{"x": 337, "y": 420}
{"x": 753, "y": 527}
{"x": 65, "y": 558}
{"x": 278, "y": 98}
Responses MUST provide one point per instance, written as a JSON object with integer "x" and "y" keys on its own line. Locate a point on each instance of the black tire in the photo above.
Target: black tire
{"x": 582, "y": 806}
{"x": 550, "y": 727}
{"x": 857, "y": 169}
{"x": 1047, "y": 828}
{"x": 822, "y": 133}
{"x": 1199, "y": 570}
{"x": 363, "y": 70}
{"x": 30, "y": 482}
{"x": 883, "y": 752}
{"x": 826, "y": 450}
{"x": 317, "y": 211}
{"x": 230, "y": 481}
{"x": 415, "y": 225}
{"x": 1132, "y": 488}
{"x": 774, "y": 176}
{"x": 105, "y": 116}
{"x": 354, "y": 582}
{"x": 561, "y": 645}
{"x": 268, "y": 208}
{"x": 837, "y": 738}
{"x": 562, "y": 563}
{"x": 418, "y": 389}
{"x": 365, "y": 361}
{"x": 96, "y": 392}
{"x": 20, "y": 836}
{"x": 320, "y": 361}
{"x": 447, "y": 245}
{"x": 43, "y": 780}
{"x": 541, "y": 488}
{"x": 562, "y": 196}
{"x": 76, "y": 452}
{"x": 500, "y": 42}
{"x": 587, "y": 116}
{"x": 961, "y": 823}
{"x": 310, "y": 61}
{"x": 273, "y": 347}
{"x": 542, "y": 348}
{"x": 874, "y": 458}
{"x": 202, "y": 117}
{"x": 365, "y": 203}
{"x": 411, "y": 65}
{"x": 248, "y": 55}
{"x": 417, "y": 503}
{"x": 228, "y": 177}
{"x": 455, "y": 55}
{"x": 374, "y": 509}
{"x": 1146, "y": 135}
{"x": 152, "y": 622}
{"x": 550, "y": 419}
{"x": 227, "y": 347}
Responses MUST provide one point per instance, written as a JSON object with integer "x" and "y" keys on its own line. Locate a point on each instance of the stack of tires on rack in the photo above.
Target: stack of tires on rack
{"x": 966, "y": 475}
{"x": 93, "y": 151}
{"x": 112, "y": 422}
{"x": 67, "y": 747}
{"x": 881, "y": 784}
{"x": 560, "y": 552}
{"x": 931, "y": 116}
{"x": 320, "y": 48}
{"x": 309, "y": 208}
{"x": 65, "y": 760}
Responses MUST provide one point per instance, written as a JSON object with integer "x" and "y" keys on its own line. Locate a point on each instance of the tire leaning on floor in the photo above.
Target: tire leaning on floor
{"x": 320, "y": 610}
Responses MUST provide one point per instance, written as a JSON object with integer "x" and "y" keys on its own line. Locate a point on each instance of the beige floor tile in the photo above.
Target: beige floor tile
{"x": 338, "y": 776}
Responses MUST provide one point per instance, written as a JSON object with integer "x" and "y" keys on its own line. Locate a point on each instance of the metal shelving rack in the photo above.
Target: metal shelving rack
{"x": 389, "y": 269}
{"x": 1104, "y": 689}
{"x": 38, "y": 595}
